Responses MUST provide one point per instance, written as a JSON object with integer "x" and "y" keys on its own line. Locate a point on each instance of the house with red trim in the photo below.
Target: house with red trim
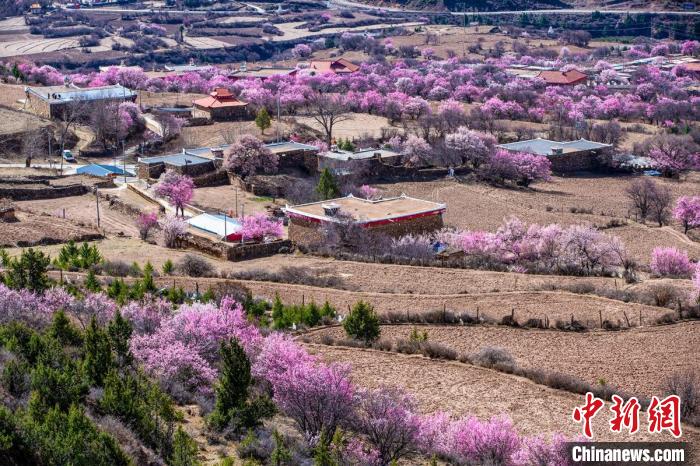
{"x": 339, "y": 66}
{"x": 563, "y": 78}
{"x": 219, "y": 105}
{"x": 395, "y": 217}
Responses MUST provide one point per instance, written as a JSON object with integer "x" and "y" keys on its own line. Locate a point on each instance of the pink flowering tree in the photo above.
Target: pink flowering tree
{"x": 174, "y": 229}
{"x": 687, "y": 212}
{"x": 416, "y": 152}
{"x": 318, "y": 397}
{"x": 146, "y": 222}
{"x": 259, "y": 226}
{"x": 674, "y": 154}
{"x": 696, "y": 284}
{"x": 519, "y": 167}
{"x": 468, "y": 146}
{"x": 176, "y": 188}
{"x": 301, "y": 51}
{"x": 249, "y": 156}
{"x": 389, "y": 418}
{"x": 670, "y": 262}
{"x": 369, "y": 192}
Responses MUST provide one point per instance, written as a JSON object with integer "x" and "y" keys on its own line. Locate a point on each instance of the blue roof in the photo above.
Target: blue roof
{"x": 175, "y": 159}
{"x": 101, "y": 170}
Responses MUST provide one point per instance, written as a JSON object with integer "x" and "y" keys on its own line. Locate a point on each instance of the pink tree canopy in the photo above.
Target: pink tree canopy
{"x": 249, "y": 156}
{"x": 176, "y": 188}
{"x": 259, "y": 226}
{"x": 687, "y": 211}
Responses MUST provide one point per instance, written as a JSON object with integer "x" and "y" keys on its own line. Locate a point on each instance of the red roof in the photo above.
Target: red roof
{"x": 340, "y": 65}
{"x": 562, "y": 77}
{"x": 218, "y": 98}
{"x": 695, "y": 66}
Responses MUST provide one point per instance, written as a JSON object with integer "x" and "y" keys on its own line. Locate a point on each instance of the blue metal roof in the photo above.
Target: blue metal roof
{"x": 101, "y": 170}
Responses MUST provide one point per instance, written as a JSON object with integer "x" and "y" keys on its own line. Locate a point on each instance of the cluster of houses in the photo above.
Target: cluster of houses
{"x": 590, "y": 76}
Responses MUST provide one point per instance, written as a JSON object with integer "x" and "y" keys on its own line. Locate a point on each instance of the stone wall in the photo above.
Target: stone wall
{"x": 304, "y": 159}
{"x": 18, "y": 193}
{"x": 575, "y": 161}
{"x": 303, "y": 232}
{"x": 216, "y": 178}
{"x": 307, "y": 233}
{"x": 235, "y": 251}
{"x": 154, "y": 170}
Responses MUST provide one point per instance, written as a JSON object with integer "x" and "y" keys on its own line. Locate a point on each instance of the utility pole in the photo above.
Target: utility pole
{"x": 278, "y": 116}
{"x": 236, "y": 188}
{"x": 97, "y": 205}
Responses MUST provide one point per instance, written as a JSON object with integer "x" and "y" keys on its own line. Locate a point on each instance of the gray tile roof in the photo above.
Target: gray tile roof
{"x": 541, "y": 146}
{"x": 175, "y": 159}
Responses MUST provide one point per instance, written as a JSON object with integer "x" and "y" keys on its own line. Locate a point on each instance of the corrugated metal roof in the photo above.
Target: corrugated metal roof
{"x": 214, "y": 223}
{"x": 55, "y": 94}
{"x": 101, "y": 170}
{"x": 287, "y": 146}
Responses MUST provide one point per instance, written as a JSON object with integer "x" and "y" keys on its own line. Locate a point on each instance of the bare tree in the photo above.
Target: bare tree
{"x": 328, "y": 110}
{"x": 33, "y": 143}
{"x": 660, "y": 205}
{"x": 104, "y": 120}
{"x": 640, "y": 193}
{"x": 73, "y": 112}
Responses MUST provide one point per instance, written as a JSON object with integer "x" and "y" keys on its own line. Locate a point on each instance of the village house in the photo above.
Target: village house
{"x": 345, "y": 162}
{"x": 395, "y": 217}
{"x": 262, "y": 73}
{"x": 184, "y": 163}
{"x": 566, "y": 157}
{"x": 220, "y": 105}
{"x": 295, "y": 155}
{"x": 102, "y": 170}
{"x": 338, "y": 66}
{"x": 563, "y": 78}
{"x": 220, "y": 227}
{"x": 53, "y": 101}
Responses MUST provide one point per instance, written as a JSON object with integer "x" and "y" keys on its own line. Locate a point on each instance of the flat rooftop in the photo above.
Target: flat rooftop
{"x": 175, "y": 159}
{"x": 57, "y": 94}
{"x": 541, "y": 146}
{"x": 289, "y": 146}
{"x": 360, "y": 154}
{"x": 365, "y": 210}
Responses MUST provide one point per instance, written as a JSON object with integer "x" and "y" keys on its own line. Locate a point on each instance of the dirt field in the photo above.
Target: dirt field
{"x": 479, "y": 206}
{"x": 19, "y": 122}
{"x": 83, "y": 209}
{"x": 359, "y": 125}
{"x": 37, "y": 45}
{"x": 36, "y": 229}
{"x": 638, "y": 361}
{"x": 462, "y": 389}
{"x": 223, "y": 199}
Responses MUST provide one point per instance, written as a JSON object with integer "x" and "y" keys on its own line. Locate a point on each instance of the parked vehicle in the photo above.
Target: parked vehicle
{"x": 68, "y": 156}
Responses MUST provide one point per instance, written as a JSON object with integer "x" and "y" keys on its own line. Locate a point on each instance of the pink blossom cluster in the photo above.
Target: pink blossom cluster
{"x": 576, "y": 249}
{"x": 520, "y": 167}
{"x": 670, "y": 262}
{"x": 184, "y": 348}
{"x": 687, "y": 212}
{"x": 403, "y": 88}
{"x": 176, "y": 188}
{"x": 37, "y": 309}
{"x": 259, "y": 226}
